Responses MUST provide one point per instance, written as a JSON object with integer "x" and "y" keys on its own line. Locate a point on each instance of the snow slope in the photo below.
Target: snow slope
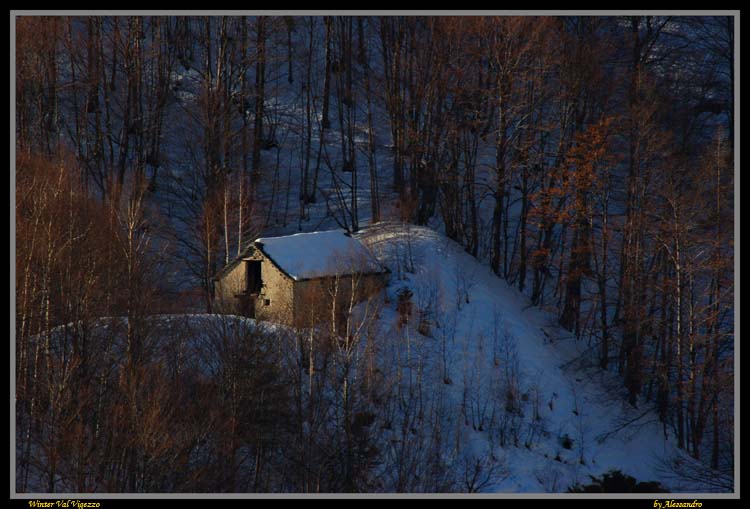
{"x": 571, "y": 412}
{"x": 566, "y": 420}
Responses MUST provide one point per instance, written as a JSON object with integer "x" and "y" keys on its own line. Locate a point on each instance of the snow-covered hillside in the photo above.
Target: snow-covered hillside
{"x": 563, "y": 420}
{"x": 477, "y": 390}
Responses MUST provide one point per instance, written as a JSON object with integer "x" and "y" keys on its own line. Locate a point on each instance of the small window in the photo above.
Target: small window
{"x": 267, "y": 302}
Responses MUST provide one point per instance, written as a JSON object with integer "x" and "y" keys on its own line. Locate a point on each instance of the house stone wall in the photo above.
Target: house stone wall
{"x": 313, "y": 298}
{"x": 275, "y": 302}
{"x": 284, "y": 300}
{"x": 226, "y": 289}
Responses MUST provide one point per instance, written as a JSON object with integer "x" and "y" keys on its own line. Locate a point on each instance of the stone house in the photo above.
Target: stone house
{"x": 297, "y": 279}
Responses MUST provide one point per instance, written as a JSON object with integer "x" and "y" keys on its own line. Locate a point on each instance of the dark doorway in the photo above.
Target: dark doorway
{"x": 254, "y": 282}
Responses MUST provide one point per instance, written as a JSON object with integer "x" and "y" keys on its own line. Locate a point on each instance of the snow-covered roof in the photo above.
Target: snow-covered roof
{"x": 319, "y": 254}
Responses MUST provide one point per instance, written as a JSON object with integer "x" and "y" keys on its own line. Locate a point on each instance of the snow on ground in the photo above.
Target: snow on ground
{"x": 198, "y": 336}
{"x": 568, "y": 419}
{"x": 580, "y": 408}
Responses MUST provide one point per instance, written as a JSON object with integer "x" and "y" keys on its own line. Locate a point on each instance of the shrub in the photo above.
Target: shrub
{"x": 566, "y": 442}
{"x": 615, "y": 481}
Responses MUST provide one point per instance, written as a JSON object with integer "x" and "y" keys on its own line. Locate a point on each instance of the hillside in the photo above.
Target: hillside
{"x": 515, "y": 400}
{"x": 553, "y": 197}
{"x": 569, "y": 415}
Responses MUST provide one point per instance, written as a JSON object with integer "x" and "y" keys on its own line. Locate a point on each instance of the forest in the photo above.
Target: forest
{"x": 587, "y": 161}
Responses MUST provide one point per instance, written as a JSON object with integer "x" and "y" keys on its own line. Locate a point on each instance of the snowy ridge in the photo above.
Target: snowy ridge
{"x": 504, "y": 387}
{"x": 571, "y": 416}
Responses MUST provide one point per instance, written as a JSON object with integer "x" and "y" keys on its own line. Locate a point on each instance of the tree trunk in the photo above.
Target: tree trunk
{"x": 260, "y": 95}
